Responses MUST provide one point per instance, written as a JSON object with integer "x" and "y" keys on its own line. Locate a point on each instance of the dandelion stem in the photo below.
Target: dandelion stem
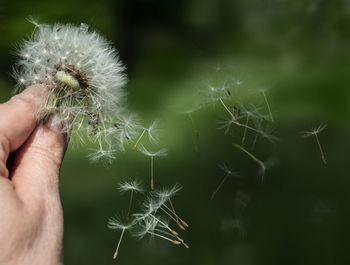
{"x": 117, "y": 249}
{"x": 152, "y": 183}
{"x": 260, "y": 163}
{"x": 321, "y": 151}
{"x": 130, "y": 202}
{"x": 268, "y": 106}
{"x": 217, "y": 189}
{"x": 138, "y": 140}
{"x": 245, "y": 129}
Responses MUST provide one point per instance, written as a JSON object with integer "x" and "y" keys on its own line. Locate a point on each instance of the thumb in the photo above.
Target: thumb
{"x": 35, "y": 172}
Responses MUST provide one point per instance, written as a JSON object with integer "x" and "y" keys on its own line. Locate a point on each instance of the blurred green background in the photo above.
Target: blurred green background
{"x": 297, "y": 50}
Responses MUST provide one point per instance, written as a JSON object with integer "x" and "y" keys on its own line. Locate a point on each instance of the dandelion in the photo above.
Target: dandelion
{"x": 152, "y": 132}
{"x": 133, "y": 187}
{"x": 115, "y": 223}
{"x": 315, "y": 132}
{"x": 228, "y": 173}
{"x": 83, "y": 79}
{"x": 161, "y": 152}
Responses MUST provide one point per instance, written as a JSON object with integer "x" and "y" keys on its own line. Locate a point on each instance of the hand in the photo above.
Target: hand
{"x": 31, "y": 220}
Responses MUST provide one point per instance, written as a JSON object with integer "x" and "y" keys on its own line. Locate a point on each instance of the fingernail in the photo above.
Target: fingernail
{"x": 55, "y": 122}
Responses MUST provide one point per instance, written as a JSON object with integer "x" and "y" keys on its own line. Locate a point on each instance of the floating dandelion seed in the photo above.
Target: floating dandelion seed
{"x": 149, "y": 226}
{"x": 115, "y": 223}
{"x": 152, "y": 131}
{"x": 195, "y": 137}
{"x": 161, "y": 152}
{"x": 83, "y": 79}
{"x": 262, "y": 91}
{"x": 251, "y": 114}
{"x": 315, "y": 132}
{"x": 228, "y": 173}
{"x": 267, "y": 104}
{"x": 258, "y": 161}
{"x": 127, "y": 125}
{"x": 216, "y": 95}
{"x": 164, "y": 196}
{"x": 152, "y": 220}
{"x": 133, "y": 187}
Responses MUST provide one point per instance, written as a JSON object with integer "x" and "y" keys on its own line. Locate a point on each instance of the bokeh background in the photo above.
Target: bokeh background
{"x": 295, "y": 49}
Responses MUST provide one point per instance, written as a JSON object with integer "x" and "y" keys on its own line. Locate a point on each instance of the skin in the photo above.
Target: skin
{"x": 31, "y": 219}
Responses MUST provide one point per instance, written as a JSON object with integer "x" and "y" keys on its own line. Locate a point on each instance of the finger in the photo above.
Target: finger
{"x": 17, "y": 121}
{"x": 38, "y": 161}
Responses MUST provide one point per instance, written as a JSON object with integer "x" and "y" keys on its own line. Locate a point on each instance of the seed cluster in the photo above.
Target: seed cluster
{"x": 84, "y": 78}
{"x": 153, "y": 217}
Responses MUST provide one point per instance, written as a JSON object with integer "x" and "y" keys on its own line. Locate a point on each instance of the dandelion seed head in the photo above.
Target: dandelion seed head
{"x": 84, "y": 78}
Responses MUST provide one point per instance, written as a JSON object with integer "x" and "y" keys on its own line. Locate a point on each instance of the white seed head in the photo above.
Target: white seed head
{"x": 85, "y": 79}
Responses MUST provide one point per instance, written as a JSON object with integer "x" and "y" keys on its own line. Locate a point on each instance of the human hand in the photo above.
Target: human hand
{"x": 31, "y": 222}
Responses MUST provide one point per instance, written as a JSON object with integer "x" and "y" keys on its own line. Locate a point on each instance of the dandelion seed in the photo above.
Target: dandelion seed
{"x": 245, "y": 129}
{"x": 152, "y": 131}
{"x": 228, "y": 173}
{"x": 133, "y": 187}
{"x": 315, "y": 132}
{"x": 116, "y": 224}
{"x": 188, "y": 113}
{"x": 149, "y": 226}
{"x": 258, "y": 161}
{"x": 164, "y": 196}
{"x": 163, "y": 224}
{"x": 268, "y": 105}
{"x": 161, "y": 152}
